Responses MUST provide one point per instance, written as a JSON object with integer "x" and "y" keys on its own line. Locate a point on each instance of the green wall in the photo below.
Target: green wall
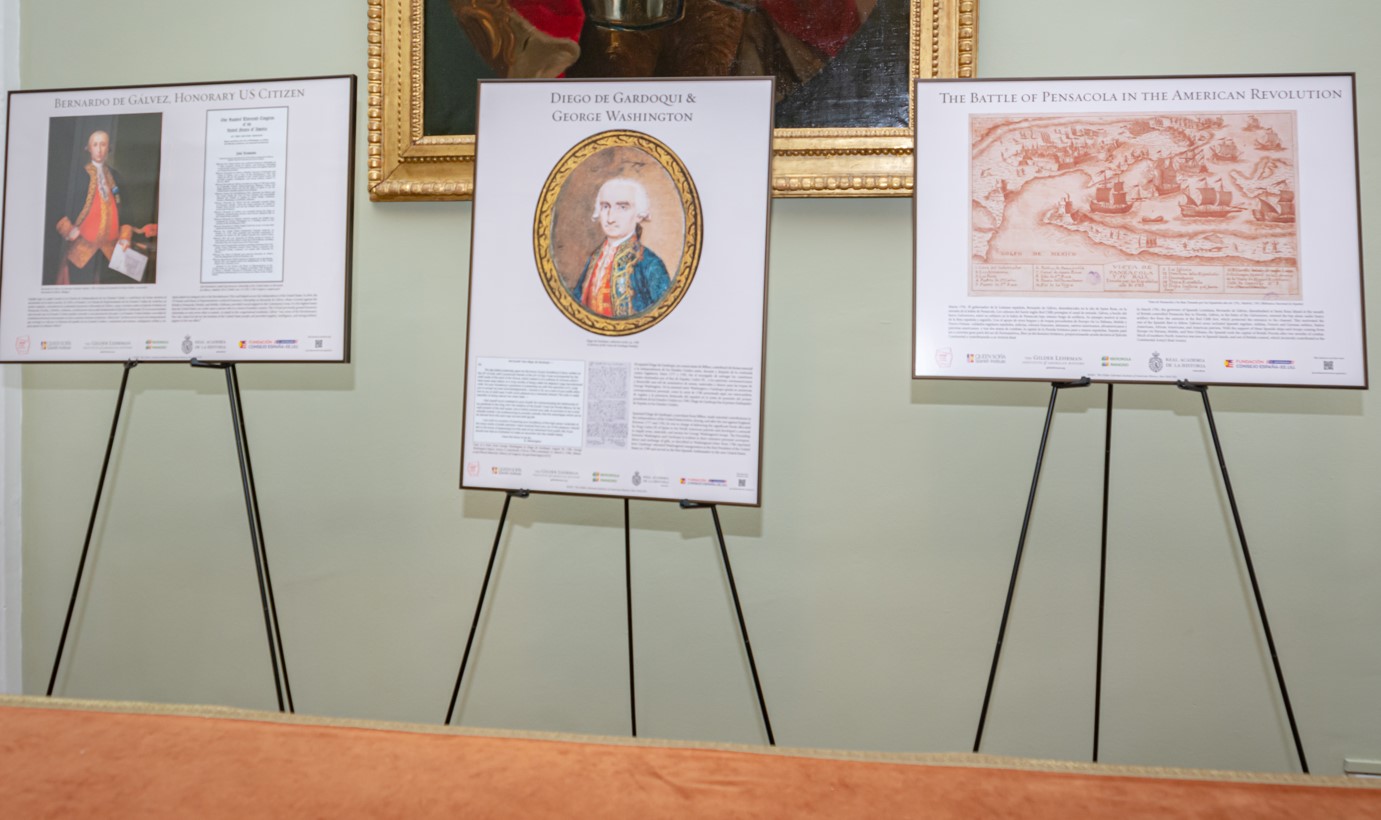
{"x": 873, "y": 575}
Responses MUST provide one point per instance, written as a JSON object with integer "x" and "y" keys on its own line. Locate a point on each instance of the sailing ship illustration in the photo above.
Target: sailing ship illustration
{"x": 1270, "y": 141}
{"x": 1225, "y": 151}
{"x": 1253, "y": 124}
{"x": 1166, "y": 180}
{"x": 1064, "y": 213}
{"x": 1280, "y": 211}
{"x": 1211, "y": 203}
{"x": 1191, "y": 163}
{"x": 1072, "y": 158}
{"x": 1110, "y": 198}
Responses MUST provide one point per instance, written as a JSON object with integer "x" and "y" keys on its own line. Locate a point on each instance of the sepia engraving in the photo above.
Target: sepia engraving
{"x": 1185, "y": 206}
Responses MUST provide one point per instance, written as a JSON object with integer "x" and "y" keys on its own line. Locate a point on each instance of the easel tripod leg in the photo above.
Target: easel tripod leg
{"x": 1021, "y": 545}
{"x": 91, "y": 523}
{"x": 628, "y": 585}
{"x": 256, "y": 537}
{"x": 479, "y": 605}
{"x": 742, "y": 626}
{"x": 1102, "y": 578}
{"x": 1202, "y": 390}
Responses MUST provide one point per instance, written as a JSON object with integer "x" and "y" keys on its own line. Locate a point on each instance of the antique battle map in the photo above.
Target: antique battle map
{"x": 1182, "y": 206}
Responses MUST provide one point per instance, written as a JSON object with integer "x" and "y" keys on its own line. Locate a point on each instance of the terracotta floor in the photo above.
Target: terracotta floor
{"x": 111, "y": 760}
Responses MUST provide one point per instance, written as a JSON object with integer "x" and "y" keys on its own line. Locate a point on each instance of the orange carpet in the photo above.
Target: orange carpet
{"x": 77, "y": 759}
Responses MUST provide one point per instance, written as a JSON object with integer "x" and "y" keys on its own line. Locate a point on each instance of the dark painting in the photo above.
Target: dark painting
{"x": 131, "y": 150}
{"x": 838, "y": 63}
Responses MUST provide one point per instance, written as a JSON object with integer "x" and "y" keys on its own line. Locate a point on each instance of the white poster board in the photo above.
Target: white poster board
{"x": 179, "y": 222}
{"x": 1149, "y": 229}
{"x": 617, "y": 289}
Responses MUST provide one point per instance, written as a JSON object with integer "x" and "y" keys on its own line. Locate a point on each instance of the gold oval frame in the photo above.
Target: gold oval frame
{"x": 544, "y": 218}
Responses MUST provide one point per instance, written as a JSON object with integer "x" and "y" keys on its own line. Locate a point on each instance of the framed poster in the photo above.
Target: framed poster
{"x": 615, "y": 334}
{"x": 844, "y": 72}
{"x": 177, "y": 222}
{"x": 1150, "y": 229}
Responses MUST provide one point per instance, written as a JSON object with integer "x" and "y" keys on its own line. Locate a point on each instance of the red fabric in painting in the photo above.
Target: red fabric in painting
{"x": 822, "y": 24}
{"x": 559, "y": 18}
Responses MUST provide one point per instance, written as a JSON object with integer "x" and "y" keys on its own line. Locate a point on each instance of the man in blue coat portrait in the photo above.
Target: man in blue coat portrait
{"x": 622, "y": 277}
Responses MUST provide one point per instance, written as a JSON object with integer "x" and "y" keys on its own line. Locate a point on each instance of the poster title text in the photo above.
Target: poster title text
{"x": 1100, "y": 96}
{"x": 179, "y": 97}
{"x": 646, "y": 107}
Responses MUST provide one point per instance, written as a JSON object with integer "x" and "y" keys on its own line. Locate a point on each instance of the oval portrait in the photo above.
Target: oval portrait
{"x": 617, "y": 233}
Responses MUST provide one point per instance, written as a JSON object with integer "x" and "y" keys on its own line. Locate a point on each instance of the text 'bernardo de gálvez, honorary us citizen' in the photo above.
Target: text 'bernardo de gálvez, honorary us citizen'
{"x": 179, "y": 97}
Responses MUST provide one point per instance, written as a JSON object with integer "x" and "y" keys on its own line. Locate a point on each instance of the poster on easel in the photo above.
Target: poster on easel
{"x": 176, "y": 222}
{"x": 1150, "y": 229}
{"x": 616, "y": 315}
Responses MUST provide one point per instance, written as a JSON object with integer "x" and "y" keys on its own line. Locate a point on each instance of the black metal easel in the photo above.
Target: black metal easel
{"x": 628, "y": 581}
{"x": 628, "y": 588}
{"x": 256, "y": 531}
{"x": 738, "y": 609}
{"x": 1202, "y": 390}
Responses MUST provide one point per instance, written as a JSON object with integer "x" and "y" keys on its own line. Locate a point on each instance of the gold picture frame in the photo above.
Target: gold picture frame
{"x": 553, "y": 203}
{"x": 405, "y": 164}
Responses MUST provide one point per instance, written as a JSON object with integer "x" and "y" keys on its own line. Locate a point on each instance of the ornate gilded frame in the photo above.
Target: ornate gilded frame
{"x": 544, "y": 220}
{"x": 844, "y": 162}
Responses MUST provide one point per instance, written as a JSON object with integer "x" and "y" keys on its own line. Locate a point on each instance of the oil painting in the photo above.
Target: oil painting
{"x": 843, "y": 71}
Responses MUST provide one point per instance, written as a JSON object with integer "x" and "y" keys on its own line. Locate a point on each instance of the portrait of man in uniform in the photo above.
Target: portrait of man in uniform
{"x": 102, "y": 222}
{"x": 622, "y": 277}
{"x": 617, "y": 233}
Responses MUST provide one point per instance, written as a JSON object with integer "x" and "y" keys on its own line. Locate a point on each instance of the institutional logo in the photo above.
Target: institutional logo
{"x": 1155, "y": 363}
{"x": 187, "y": 345}
{"x": 944, "y": 356}
{"x": 473, "y": 468}
{"x": 637, "y": 478}
{"x": 986, "y": 358}
{"x": 1260, "y": 364}
{"x": 21, "y": 345}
